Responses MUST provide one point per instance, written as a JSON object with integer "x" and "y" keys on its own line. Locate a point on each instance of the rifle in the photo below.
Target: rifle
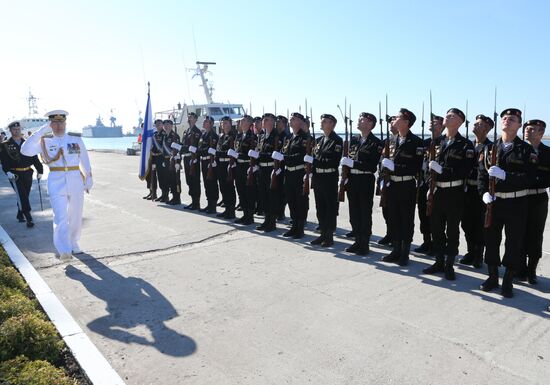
{"x": 419, "y": 178}
{"x": 40, "y": 194}
{"x": 210, "y": 172}
{"x": 467, "y": 122}
{"x": 314, "y": 141}
{"x": 345, "y": 169}
{"x": 250, "y": 174}
{"x": 386, "y": 154}
{"x": 230, "y": 176}
{"x": 430, "y": 202}
{"x": 380, "y": 120}
{"x": 193, "y": 168}
{"x": 309, "y": 147}
{"x": 494, "y": 160}
{"x": 276, "y": 165}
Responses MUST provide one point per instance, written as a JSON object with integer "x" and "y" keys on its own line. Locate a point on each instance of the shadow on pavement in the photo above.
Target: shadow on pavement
{"x": 131, "y": 302}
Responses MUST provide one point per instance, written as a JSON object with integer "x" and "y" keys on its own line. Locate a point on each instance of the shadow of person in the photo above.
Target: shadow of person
{"x": 131, "y": 302}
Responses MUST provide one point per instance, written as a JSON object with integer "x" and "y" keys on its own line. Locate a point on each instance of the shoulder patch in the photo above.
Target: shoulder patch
{"x": 469, "y": 154}
{"x": 338, "y": 148}
{"x": 419, "y": 151}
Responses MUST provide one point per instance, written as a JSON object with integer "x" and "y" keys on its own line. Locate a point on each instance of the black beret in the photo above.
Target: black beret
{"x": 486, "y": 119}
{"x": 458, "y": 112}
{"x": 168, "y": 121}
{"x": 369, "y": 116}
{"x": 269, "y": 115}
{"x": 208, "y": 117}
{"x": 282, "y": 117}
{"x": 14, "y": 124}
{"x": 257, "y": 119}
{"x": 511, "y": 111}
{"x": 225, "y": 118}
{"x": 408, "y": 115}
{"x": 192, "y": 114}
{"x": 329, "y": 117}
{"x": 158, "y": 121}
{"x": 298, "y": 115}
{"x": 249, "y": 118}
{"x": 535, "y": 122}
{"x": 437, "y": 117}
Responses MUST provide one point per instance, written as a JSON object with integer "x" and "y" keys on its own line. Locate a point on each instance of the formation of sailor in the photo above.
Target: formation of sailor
{"x": 70, "y": 175}
{"x": 18, "y": 168}
{"x": 502, "y": 185}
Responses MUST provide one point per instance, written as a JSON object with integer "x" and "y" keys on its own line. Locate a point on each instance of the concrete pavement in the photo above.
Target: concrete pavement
{"x": 177, "y": 297}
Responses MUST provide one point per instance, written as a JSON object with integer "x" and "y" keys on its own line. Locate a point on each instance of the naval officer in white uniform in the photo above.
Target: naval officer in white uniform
{"x": 70, "y": 175}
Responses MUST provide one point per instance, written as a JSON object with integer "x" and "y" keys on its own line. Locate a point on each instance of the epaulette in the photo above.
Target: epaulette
{"x": 48, "y": 135}
{"x": 74, "y": 134}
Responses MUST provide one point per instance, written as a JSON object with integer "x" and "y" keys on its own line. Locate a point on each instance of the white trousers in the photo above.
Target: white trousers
{"x": 67, "y": 220}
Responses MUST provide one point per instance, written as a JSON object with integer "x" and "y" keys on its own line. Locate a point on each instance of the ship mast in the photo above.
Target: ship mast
{"x": 206, "y": 87}
{"x": 31, "y": 101}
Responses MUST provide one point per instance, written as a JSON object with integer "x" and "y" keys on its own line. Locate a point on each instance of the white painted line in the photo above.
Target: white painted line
{"x": 95, "y": 366}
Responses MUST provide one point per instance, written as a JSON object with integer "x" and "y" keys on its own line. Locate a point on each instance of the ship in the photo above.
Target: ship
{"x": 100, "y": 130}
{"x": 215, "y": 110}
{"x": 33, "y": 121}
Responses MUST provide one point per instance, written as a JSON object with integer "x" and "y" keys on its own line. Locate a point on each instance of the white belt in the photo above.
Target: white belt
{"x": 405, "y": 178}
{"x": 535, "y": 191}
{"x": 299, "y": 167}
{"x": 354, "y": 171}
{"x": 266, "y": 164}
{"x": 223, "y": 160}
{"x": 515, "y": 194}
{"x": 453, "y": 183}
{"x": 205, "y": 157}
{"x": 243, "y": 160}
{"x": 472, "y": 182}
{"x": 324, "y": 170}
{"x": 186, "y": 154}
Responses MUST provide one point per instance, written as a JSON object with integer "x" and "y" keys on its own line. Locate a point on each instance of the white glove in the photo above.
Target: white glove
{"x": 38, "y": 176}
{"x": 10, "y": 175}
{"x": 45, "y": 128}
{"x": 433, "y": 165}
{"x": 277, "y": 156}
{"x": 177, "y": 166}
{"x": 192, "y": 149}
{"x": 488, "y": 198}
{"x": 253, "y": 154}
{"x": 214, "y": 164}
{"x": 232, "y": 153}
{"x": 308, "y": 159}
{"x": 345, "y": 161}
{"x": 497, "y": 172}
{"x": 424, "y": 166}
{"x": 176, "y": 146}
{"x": 212, "y": 151}
{"x": 388, "y": 163}
{"x": 88, "y": 184}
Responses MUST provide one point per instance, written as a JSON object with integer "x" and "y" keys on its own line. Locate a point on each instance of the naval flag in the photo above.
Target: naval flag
{"x": 146, "y": 139}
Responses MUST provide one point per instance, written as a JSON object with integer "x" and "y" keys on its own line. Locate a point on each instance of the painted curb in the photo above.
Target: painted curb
{"x": 95, "y": 366}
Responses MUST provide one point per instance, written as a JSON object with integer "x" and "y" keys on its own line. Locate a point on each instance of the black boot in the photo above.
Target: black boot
{"x": 28, "y": 217}
{"x": 329, "y": 239}
{"x": 394, "y": 255}
{"x": 320, "y": 239}
{"x": 229, "y": 213}
{"x": 299, "y": 229}
{"x": 20, "y": 217}
{"x": 291, "y": 232}
{"x": 449, "y": 268}
{"x": 356, "y": 245}
{"x": 437, "y": 267}
{"x": 263, "y": 225}
{"x": 467, "y": 259}
{"x": 385, "y": 240}
{"x": 478, "y": 257}
{"x": 364, "y": 246}
{"x": 426, "y": 246}
{"x": 211, "y": 208}
{"x": 532, "y": 271}
{"x": 271, "y": 223}
{"x": 492, "y": 281}
{"x": 507, "y": 286}
{"x": 404, "y": 255}
{"x": 248, "y": 218}
{"x": 175, "y": 200}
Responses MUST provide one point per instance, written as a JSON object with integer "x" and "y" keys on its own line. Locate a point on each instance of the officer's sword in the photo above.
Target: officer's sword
{"x": 14, "y": 185}
{"x": 40, "y": 194}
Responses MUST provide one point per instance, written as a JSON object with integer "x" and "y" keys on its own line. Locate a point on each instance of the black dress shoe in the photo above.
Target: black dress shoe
{"x": 261, "y": 227}
{"x": 147, "y": 196}
{"x": 350, "y": 235}
{"x": 290, "y": 233}
{"x": 204, "y": 209}
{"x": 281, "y": 217}
{"x": 20, "y": 217}
{"x": 174, "y": 202}
{"x": 239, "y": 220}
{"x": 30, "y": 224}
{"x": 318, "y": 240}
{"x": 353, "y": 248}
{"x": 424, "y": 248}
{"x": 221, "y": 215}
{"x": 384, "y": 241}
{"x": 328, "y": 242}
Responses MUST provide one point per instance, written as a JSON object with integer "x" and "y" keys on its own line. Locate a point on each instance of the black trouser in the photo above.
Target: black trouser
{"x": 473, "y": 218}
{"x": 161, "y": 171}
{"x": 193, "y": 181}
{"x": 537, "y": 211}
{"x": 326, "y": 200}
{"x": 247, "y": 198}
{"x": 282, "y": 199}
{"x": 510, "y": 214}
{"x": 360, "y": 192}
{"x": 227, "y": 188}
{"x": 422, "y": 201}
{"x": 23, "y": 183}
{"x": 210, "y": 184}
{"x": 174, "y": 182}
{"x": 401, "y": 204}
{"x": 294, "y": 193}
{"x": 269, "y": 197}
{"x": 448, "y": 204}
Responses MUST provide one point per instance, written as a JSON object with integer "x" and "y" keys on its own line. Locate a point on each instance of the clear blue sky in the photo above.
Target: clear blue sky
{"x": 91, "y": 56}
